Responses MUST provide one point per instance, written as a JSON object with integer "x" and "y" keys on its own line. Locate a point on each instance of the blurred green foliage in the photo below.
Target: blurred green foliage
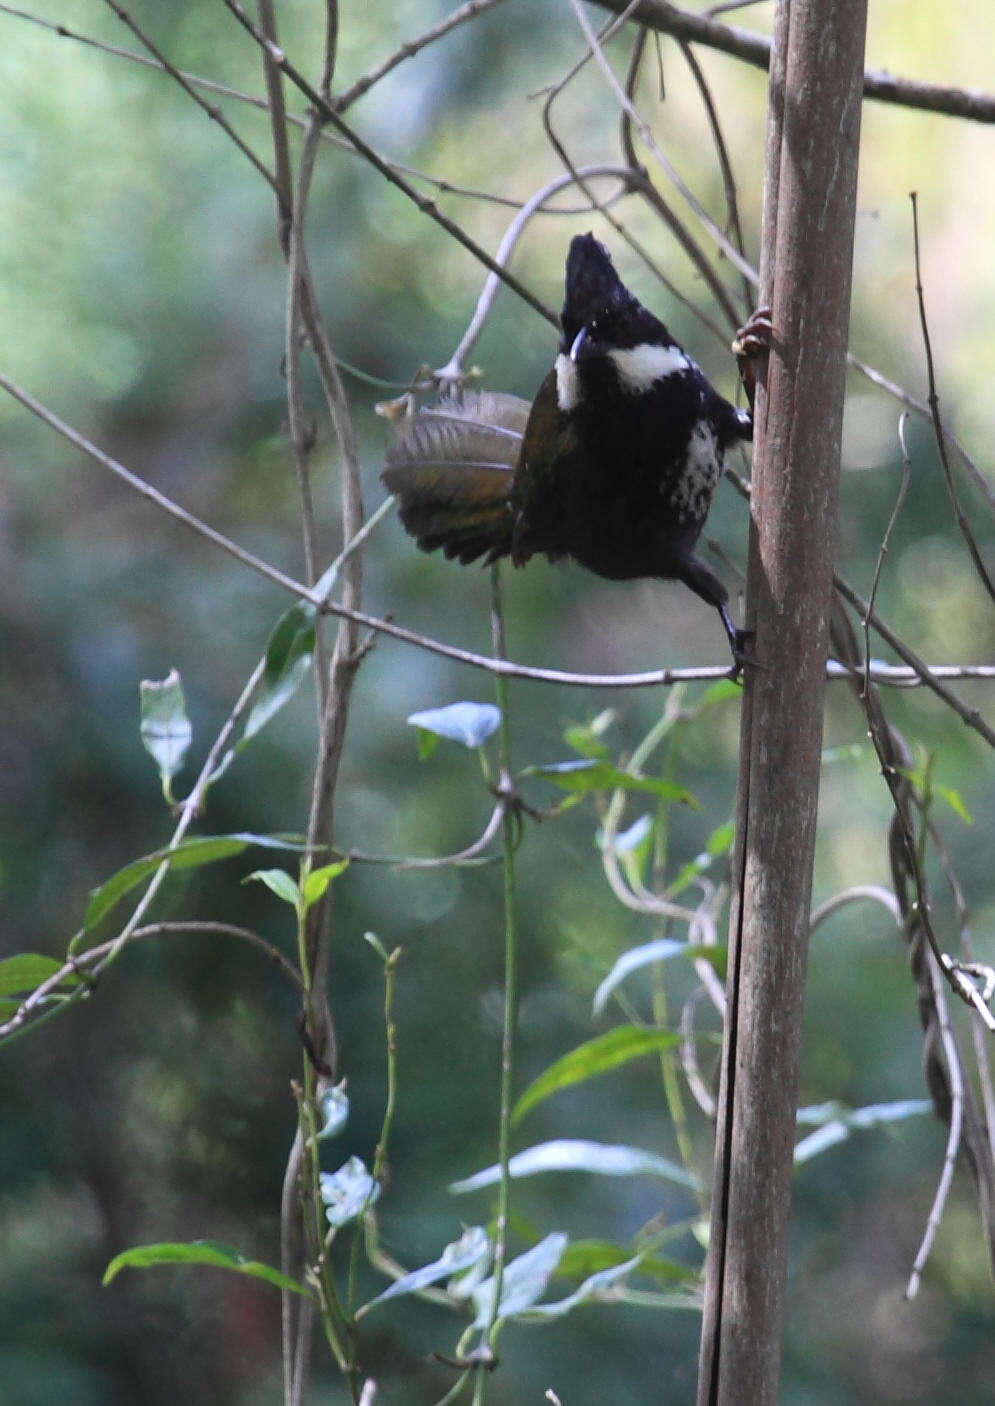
{"x": 142, "y": 298}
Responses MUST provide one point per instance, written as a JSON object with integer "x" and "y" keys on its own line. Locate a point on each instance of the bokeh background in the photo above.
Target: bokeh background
{"x": 142, "y": 298}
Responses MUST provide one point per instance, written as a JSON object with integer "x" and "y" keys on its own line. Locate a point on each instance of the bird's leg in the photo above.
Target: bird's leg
{"x": 706, "y": 584}
{"x": 752, "y": 342}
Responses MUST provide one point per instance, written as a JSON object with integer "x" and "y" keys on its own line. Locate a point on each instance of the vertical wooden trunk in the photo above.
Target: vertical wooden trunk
{"x": 810, "y": 190}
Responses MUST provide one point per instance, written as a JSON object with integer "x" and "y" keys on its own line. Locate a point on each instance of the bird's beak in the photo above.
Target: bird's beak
{"x": 579, "y": 343}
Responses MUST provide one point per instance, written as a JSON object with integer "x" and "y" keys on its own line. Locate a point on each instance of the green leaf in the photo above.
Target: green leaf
{"x": 722, "y": 691}
{"x": 719, "y": 843}
{"x": 318, "y": 880}
{"x": 165, "y": 728}
{"x": 426, "y": 742}
{"x": 954, "y": 801}
{"x": 289, "y": 651}
{"x": 592, "y": 1288}
{"x": 472, "y": 1248}
{"x": 585, "y": 1257}
{"x": 596, "y": 1056}
{"x": 208, "y": 1252}
{"x": 23, "y": 972}
{"x": 468, "y": 723}
{"x": 585, "y": 738}
{"x": 835, "y": 1122}
{"x": 660, "y": 950}
{"x": 577, "y": 1155}
{"x": 524, "y": 1281}
{"x": 582, "y": 777}
{"x": 278, "y": 881}
{"x": 189, "y": 854}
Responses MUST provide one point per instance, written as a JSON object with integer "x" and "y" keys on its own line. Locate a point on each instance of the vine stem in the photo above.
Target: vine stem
{"x": 509, "y": 839}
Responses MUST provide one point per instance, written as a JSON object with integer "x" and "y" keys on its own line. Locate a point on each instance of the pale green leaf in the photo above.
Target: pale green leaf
{"x": 594, "y": 1057}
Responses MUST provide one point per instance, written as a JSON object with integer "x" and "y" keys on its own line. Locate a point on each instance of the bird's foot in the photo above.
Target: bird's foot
{"x": 738, "y": 640}
{"x": 754, "y": 338}
{"x": 752, "y": 343}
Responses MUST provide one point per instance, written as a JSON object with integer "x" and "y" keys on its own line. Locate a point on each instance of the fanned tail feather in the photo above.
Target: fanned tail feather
{"x": 452, "y": 470}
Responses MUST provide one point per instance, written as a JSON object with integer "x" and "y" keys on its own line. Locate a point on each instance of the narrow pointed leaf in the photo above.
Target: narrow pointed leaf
{"x": 318, "y": 880}
{"x": 289, "y": 651}
{"x": 524, "y": 1280}
{"x": 201, "y": 849}
{"x": 23, "y": 972}
{"x": 586, "y": 776}
{"x": 469, "y": 1250}
{"x": 594, "y": 1287}
{"x": 278, "y": 881}
{"x": 835, "y": 1122}
{"x": 660, "y": 950}
{"x": 595, "y": 1056}
{"x": 207, "y": 1252}
{"x": 586, "y": 1257}
{"x": 578, "y": 1155}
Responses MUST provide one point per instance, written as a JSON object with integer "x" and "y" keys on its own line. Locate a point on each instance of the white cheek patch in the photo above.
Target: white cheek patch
{"x": 567, "y": 383}
{"x": 639, "y": 367}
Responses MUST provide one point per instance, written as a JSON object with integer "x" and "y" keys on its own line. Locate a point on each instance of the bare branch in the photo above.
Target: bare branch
{"x": 955, "y": 1076}
{"x": 427, "y": 207}
{"x": 755, "y": 49}
{"x": 409, "y": 48}
{"x": 934, "y": 410}
{"x": 454, "y": 369}
{"x": 213, "y": 113}
{"x": 648, "y": 190}
{"x": 278, "y": 122}
{"x": 860, "y": 892}
{"x": 883, "y": 549}
{"x": 971, "y": 716}
{"x": 642, "y": 127}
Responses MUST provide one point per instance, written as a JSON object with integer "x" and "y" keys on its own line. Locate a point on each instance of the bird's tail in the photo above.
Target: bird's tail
{"x": 452, "y": 470}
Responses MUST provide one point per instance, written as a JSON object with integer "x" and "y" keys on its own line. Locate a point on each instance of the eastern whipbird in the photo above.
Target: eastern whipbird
{"x": 615, "y": 463}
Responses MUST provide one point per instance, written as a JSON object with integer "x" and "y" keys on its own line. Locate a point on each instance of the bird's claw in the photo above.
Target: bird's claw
{"x": 740, "y": 657}
{"x": 754, "y": 338}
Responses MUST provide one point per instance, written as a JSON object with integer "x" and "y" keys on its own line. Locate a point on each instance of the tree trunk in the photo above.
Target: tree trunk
{"x": 810, "y": 196}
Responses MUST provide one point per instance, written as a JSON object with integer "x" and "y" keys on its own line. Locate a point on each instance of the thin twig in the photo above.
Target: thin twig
{"x": 934, "y": 410}
{"x": 189, "y": 809}
{"x": 954, "y": 1074}
{"x": 755, "y": 49}
{"x": 916, "y": 674}
{"x": 509, "y": 826}
{"x": 883, "y": 549}
{"x": 642, "y": 127}
{"x": 409, "y": 48}
{"x": 652, "y": 196}
{"x": 453, "y": 371}
{"x": 970, "y": 716}
{"x": 427, "y": 207}
{"x": 725, "y": 165}
{"x": 982, "y": 1052}
{"x": 214, "y": 113}
{"x": 858, "y": 893}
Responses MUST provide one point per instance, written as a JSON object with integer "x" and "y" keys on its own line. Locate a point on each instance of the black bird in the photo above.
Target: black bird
{"x": 615, "y": 464}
